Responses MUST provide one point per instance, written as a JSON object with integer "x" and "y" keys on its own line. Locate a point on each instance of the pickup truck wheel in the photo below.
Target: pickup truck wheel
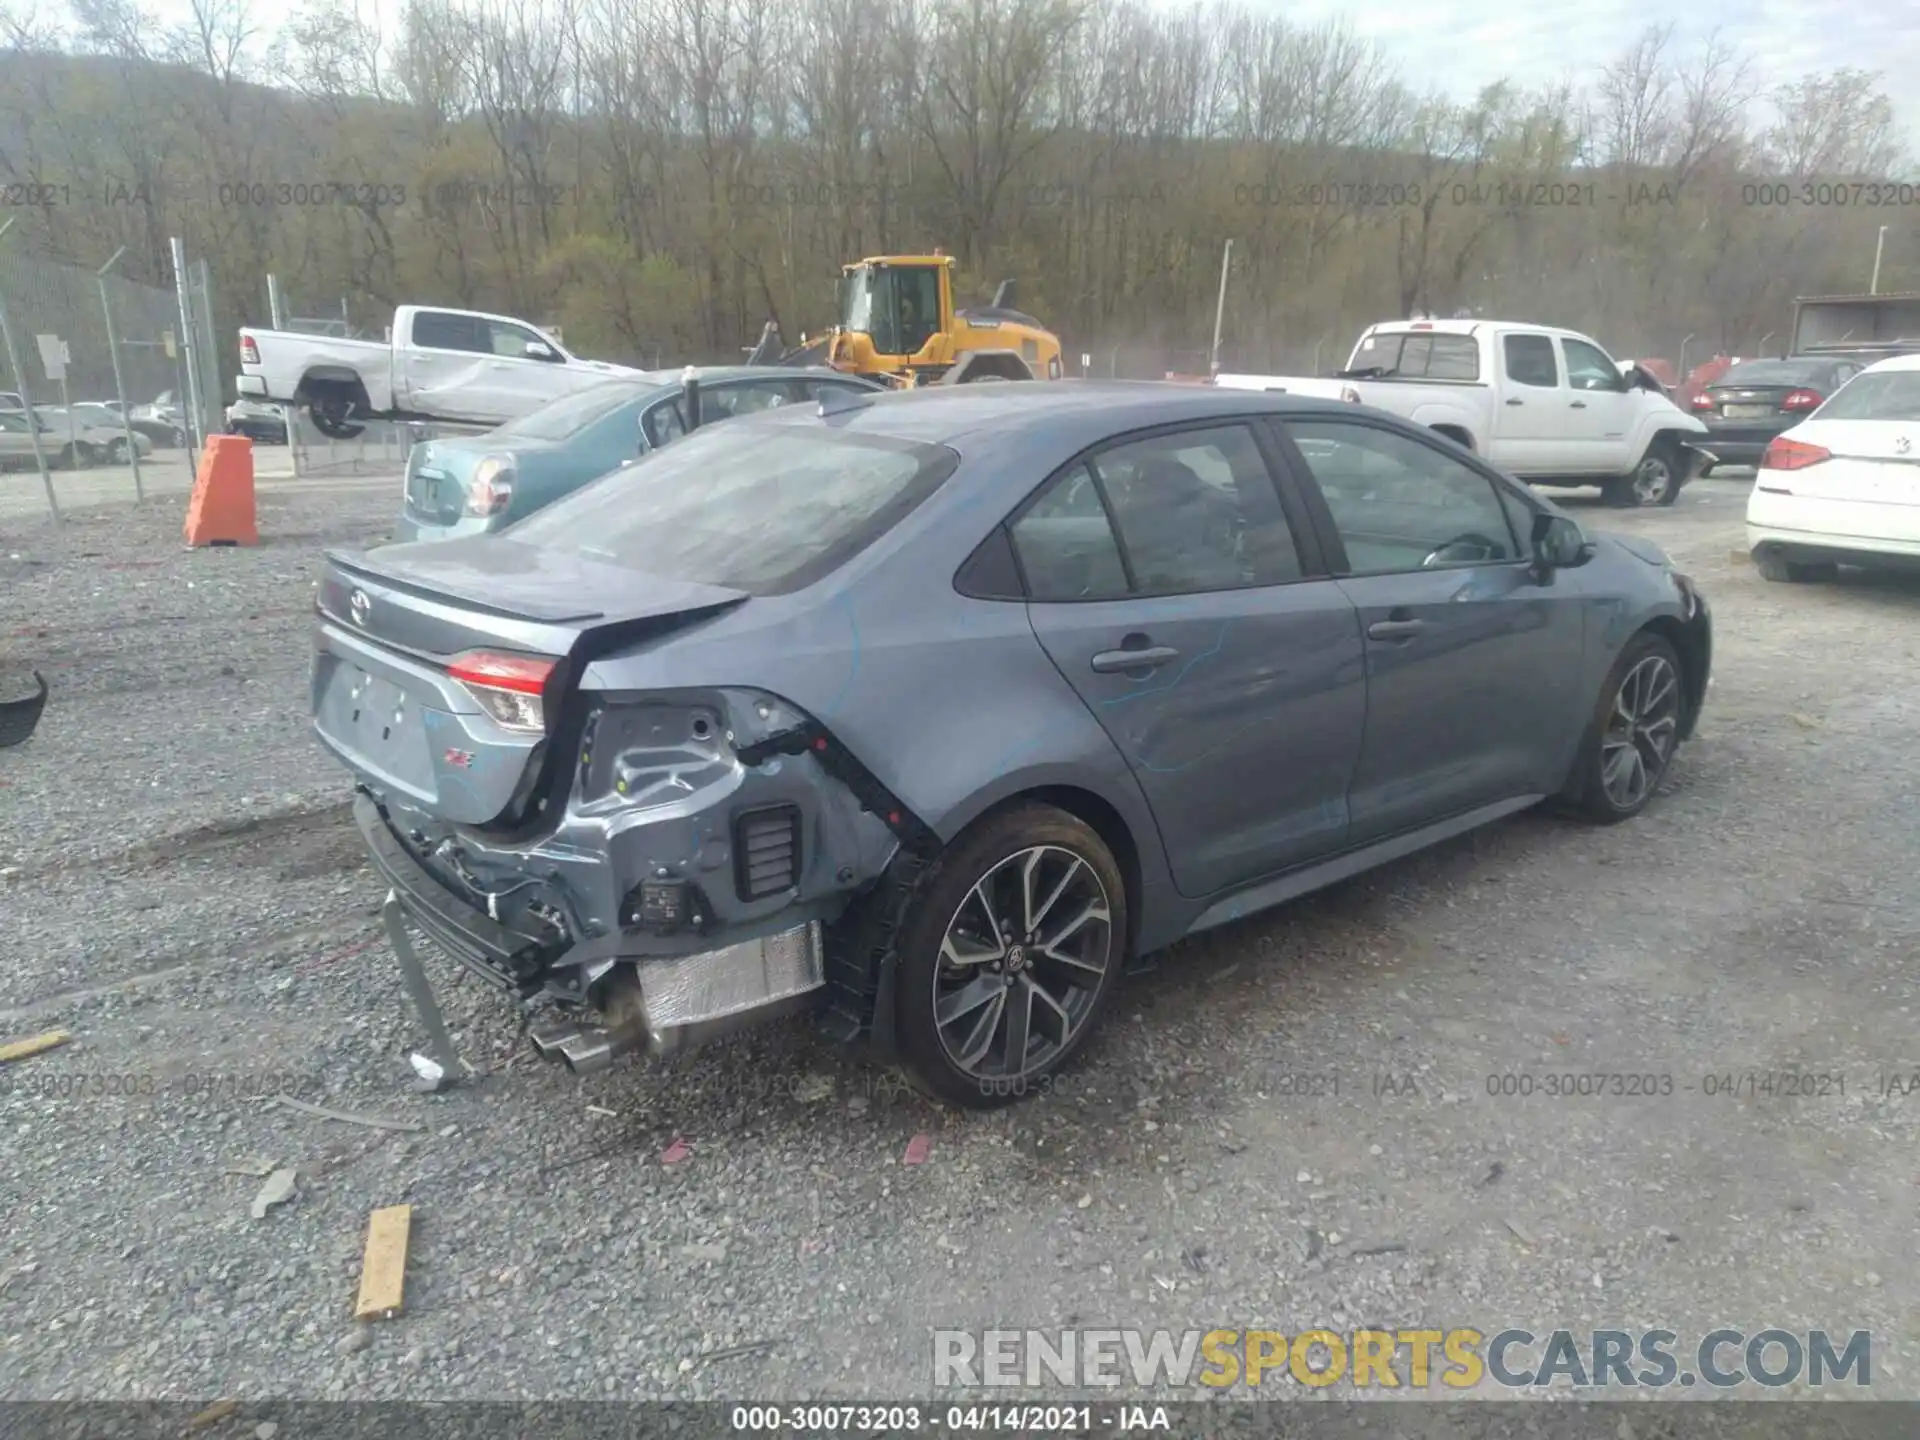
{"x": 1656, "y": 480}
{"x": 1007, "y": 955}
{"x": 329, "y": 417}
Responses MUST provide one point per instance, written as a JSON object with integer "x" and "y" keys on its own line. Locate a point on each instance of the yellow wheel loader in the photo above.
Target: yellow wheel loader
{"x": 898, "y": 324}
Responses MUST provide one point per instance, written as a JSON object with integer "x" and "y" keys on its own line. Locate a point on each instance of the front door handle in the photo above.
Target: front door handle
{"x": 1579, "y": 405}
{"x": 1109, "y": 662}
{"x": 1516, "y": 400}
{"x": 1395, "y": 629}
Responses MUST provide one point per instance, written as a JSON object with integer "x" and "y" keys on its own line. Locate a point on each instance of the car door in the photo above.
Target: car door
{"x": 1602, "y": 408}
{"x": 527, "y": 369}
{"x": 16, "y": 444}
{"x": 1171, "y": 588}
{"x": 1473, "y": 663}
{"x": 448, "y": 363}
{"x": 1530, "y": 422}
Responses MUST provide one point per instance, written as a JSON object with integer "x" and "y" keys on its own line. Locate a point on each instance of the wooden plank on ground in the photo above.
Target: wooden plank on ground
{"x": 383, "y": 1275}
{"x": 33, "y": 1045}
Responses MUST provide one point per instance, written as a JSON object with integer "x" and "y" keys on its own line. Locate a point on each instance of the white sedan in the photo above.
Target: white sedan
{"x": 1843, "y": 486}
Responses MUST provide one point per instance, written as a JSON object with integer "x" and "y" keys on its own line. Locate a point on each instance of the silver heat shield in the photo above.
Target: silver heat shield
{"x": 693, "y": 989}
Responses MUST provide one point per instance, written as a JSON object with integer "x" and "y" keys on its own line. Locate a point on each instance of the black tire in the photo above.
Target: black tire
{"x": 1588, "y": 793}
{"x": 330, "y": 418}
{"x": 945, "y": 890}
{"x": 1654, "y": 482}
{"x": 1783, "y": 571}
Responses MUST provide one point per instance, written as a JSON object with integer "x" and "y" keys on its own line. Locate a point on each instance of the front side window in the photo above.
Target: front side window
{"x": 1589, "y": 369}
{"x": 1400, "y": 504}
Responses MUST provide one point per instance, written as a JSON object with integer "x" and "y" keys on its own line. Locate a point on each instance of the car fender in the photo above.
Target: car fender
{"x": 1663, "y": 417}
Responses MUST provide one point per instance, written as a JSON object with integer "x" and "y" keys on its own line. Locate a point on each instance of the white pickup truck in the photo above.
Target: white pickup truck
{"x": 1547, "y": 405}
{"x": 457, "y": 365}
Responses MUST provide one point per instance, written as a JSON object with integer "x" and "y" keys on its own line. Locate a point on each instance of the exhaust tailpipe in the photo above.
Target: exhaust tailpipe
{"x": 588, "y": 1049}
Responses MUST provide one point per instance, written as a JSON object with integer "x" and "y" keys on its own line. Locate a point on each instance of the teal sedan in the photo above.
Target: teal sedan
{"x": 472, "y": 484}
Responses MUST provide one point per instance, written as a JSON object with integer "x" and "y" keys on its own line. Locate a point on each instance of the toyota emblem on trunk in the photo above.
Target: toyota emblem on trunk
{"x": 1902, "y": 445}
{"x": 360, "y": 605}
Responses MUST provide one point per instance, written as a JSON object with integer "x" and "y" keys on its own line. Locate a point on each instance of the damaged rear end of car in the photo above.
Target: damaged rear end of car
{"x": 559, "y": 795}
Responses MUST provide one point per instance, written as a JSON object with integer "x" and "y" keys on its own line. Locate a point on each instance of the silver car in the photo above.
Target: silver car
{"x": 924, "y": 712}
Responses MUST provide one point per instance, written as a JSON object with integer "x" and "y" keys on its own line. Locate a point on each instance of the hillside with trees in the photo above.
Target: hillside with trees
{"x": 657, "y": 177}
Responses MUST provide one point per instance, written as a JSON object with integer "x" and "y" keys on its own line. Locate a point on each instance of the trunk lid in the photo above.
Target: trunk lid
{"x": 390, "y": 622}
{"x": 1752, "y": 402}
{"x": 1874, "y": 462}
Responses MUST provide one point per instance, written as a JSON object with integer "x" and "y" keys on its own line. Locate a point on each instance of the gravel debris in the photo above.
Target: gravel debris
{"x": 206, "y": 926}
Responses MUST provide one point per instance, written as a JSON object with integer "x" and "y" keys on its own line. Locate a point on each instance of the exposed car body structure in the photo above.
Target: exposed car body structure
{"x": 923, "y": 711}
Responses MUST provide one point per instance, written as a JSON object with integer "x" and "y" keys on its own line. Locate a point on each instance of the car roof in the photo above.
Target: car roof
{"x": 1893, "y": 362}
{"x": 945, "y": 415}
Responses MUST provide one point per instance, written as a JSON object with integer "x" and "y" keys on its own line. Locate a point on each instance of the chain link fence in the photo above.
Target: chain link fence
{"x": 105, "y": 366}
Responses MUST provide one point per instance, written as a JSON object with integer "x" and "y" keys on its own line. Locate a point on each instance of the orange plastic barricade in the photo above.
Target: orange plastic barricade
{"x": 221, "y": 511}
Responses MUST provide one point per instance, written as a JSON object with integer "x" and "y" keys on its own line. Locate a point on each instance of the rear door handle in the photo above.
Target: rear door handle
{"x": 1395, "y": 629}
{"x": 1579, "y": 405}
{"x": 1109, "y": 662}
{"x": 1516, "y": 400}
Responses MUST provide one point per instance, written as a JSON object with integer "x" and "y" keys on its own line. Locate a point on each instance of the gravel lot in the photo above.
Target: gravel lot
{"x": 186, "y": 895}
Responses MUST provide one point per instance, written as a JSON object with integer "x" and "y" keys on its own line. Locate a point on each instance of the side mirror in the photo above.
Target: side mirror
{"x": 534, "y": 350}
{"x": 1558, "y": 544}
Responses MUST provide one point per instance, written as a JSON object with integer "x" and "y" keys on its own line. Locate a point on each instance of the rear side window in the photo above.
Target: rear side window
{"x": 1066, "y": 547}
{"x": 1419, "y": 356}
{"x": 736, "y": 506}
{"x": 436, "y": 330}
{"x": 1530, "y": 360}
{"x": 1885, "y": 395}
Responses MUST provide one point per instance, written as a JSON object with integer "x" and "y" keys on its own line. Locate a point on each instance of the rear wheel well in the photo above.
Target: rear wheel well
{"x": 1107, "y": 823}
{"x": 1454, "y": 433}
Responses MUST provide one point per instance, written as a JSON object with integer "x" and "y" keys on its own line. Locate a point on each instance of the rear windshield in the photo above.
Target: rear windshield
{"x": 1888, "y": 395}
{"x": 739, "y": 505}
{"x": 1417, "y": 356}
{"x": 571, "y": 413}
{"x": 1774, "y": 372}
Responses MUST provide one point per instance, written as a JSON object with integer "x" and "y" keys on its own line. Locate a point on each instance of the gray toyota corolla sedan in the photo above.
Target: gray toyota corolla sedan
{"x": 925, "y": 711}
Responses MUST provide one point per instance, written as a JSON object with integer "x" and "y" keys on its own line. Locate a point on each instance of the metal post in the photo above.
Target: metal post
{"x": 26, "y": 401}
{"x": 66, "y": 409}
{"x": 210, "y": 383}
{"x": 26, "y": 404}
{"x": 120, "y": 385}
{"x": 1683, "y": 358}
{"x": 1220, "y": 310}
{"x": 1879, "y": 245}
{"x": 196, "y": 420}
{"x": 277, "y": 311}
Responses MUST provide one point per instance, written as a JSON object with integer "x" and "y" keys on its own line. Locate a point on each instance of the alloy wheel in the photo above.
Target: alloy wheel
{"x": 1640, "y": 732}
{"x": 1021, "y": 963}
{"x": 1652, "y": 480}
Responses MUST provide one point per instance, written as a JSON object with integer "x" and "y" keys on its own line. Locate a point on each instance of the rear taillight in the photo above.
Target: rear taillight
{"x": 1785, "y": 454}
{"x": 511, "y": 688}
{"x": 1703, "y": 401}
{"x": 249, "y": 352}
{"x": 1802, "y": 400}
{"x": 491, "y": 489}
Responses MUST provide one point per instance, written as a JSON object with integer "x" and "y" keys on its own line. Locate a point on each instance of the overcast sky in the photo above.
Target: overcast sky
{"x": 1462, "y": 45}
